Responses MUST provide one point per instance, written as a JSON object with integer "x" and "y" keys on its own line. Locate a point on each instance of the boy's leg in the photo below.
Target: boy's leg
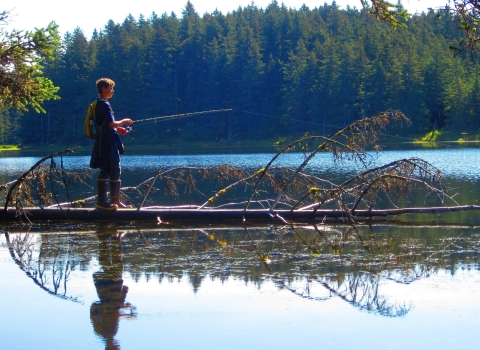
{"x": 115, "y": 185}
{"x": 102, "y": 184}
{"x": 115, "y": 194}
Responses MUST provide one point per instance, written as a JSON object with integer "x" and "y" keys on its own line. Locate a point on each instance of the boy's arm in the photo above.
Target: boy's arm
{"x": 116, "y": 124}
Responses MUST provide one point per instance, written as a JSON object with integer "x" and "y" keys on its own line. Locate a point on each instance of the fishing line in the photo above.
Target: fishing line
{"x": 291, "y": 119}
{"x": 310, "y": 122}
{"x": 185, "y": 115}
{"x": 338, "y": 127}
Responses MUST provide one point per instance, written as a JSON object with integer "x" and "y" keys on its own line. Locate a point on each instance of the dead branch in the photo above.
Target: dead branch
{"x": 263, "y": 171}
{"x": 398, "y": 178}
{"x": 402, "y": 182}
{"x": 25, "y": 176}
{"x": 357, "y": 136}
{"x": 229, "y": 187}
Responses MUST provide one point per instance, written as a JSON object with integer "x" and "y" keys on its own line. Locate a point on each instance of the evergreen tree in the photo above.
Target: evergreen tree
{"x": 315, "y": 69}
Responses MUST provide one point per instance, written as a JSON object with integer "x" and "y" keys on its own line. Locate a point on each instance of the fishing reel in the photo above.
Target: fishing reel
{"x": 123, "y": 130}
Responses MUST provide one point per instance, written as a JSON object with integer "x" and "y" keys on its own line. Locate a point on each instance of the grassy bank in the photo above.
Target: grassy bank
{"x": 252, "y": 146}
{"x": 438, "y": 138}
{"x": 9, "y": 148}
{"x": 183, "y": 148}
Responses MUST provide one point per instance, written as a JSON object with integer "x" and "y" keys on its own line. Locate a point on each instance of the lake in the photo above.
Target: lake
{"x": 409, "y": 282}
{"x": 459, "y": 166}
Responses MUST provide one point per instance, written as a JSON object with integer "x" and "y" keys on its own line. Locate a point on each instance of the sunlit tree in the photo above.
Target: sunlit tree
{"x": 22, "y": 83}
{"x": 466, "y": 12}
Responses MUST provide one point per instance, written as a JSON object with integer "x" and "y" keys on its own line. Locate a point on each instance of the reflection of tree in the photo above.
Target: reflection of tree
{"x": 361, "y": 290}
{"x": 382, "y": 257}
{"x": 316, "y": 263}
{"x": 346, "y": 262}
{"x": 415, "y": 273}
{"x": 50, "y": 270}
{"x": 105, "y": 313}
{"x": 50, "y": 260}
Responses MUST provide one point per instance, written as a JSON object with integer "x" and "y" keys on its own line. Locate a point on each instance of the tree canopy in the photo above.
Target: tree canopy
{"x": 22, "y": 82}
{"x": 283, "y": 72}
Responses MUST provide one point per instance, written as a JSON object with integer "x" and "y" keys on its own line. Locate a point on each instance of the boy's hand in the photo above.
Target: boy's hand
{"x": 127, "y": 121}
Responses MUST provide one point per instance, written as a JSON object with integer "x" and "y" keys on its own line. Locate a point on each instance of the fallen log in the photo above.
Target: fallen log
{"x": 212, "y": 215}
{"x": 431, "y": 210}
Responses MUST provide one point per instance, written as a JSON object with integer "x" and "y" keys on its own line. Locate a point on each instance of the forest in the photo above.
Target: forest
{"x": 283, "y": 73}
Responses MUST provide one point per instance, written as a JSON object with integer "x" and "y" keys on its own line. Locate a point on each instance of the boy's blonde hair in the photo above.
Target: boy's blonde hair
{"x": 104, "y": 83}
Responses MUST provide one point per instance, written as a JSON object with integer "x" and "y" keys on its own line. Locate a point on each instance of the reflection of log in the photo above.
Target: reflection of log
{"x": 88, "y": 214}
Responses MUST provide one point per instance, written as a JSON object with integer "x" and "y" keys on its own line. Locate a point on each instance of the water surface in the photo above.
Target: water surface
{"x": 241, "y": 287}
{"x": 178, "y": 286}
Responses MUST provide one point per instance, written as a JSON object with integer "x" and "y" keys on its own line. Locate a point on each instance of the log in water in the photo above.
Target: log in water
{"x": 159, "y": 215}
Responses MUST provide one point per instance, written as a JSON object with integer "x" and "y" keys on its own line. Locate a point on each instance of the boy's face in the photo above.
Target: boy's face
{"x": 107, "y": 92}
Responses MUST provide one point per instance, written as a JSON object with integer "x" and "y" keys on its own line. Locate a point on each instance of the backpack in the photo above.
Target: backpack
{"x": 92, "y": 129}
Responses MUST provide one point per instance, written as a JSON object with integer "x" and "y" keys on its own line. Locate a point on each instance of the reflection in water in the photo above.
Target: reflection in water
{"x": 105, "y": 313}
{"x": 51, "y": 270}
{"x": 315, "y": 263}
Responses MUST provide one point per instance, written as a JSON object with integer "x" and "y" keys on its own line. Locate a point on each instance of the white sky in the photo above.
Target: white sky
{"x": 90, "y": 14}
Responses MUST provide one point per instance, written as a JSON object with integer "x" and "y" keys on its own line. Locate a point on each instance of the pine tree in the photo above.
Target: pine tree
{"x": 22, "y": 83}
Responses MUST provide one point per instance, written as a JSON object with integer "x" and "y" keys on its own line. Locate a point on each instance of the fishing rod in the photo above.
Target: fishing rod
{"x": 176, "y": 116}
{"x": 123, "y": 130}
{"x": 184, "y": 115}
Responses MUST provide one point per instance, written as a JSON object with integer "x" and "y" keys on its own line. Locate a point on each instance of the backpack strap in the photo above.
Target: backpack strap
{"x": 95, "y": 117}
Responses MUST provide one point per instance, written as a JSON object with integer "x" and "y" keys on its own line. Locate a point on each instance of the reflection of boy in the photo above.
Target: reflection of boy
{"x": 105, "y": 313}
{"x": 108, "y": 147}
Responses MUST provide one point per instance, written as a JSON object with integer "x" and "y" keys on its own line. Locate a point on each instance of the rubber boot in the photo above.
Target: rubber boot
{"x": 115, "y": 194}
{"x": 102, "y": 202}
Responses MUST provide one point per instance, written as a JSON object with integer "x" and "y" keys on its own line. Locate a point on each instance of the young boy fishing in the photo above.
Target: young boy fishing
{"x": 107, "y": 149}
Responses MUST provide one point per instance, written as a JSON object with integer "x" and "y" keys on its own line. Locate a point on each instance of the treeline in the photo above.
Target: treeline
{"x": 284, "y": 72}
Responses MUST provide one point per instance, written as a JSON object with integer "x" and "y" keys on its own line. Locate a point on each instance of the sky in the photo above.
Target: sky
{"x": 91, "y": 14}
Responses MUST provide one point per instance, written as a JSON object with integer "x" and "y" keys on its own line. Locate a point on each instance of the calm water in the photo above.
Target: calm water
{"x": 460, "y": 163}
{"x": 173, "y": 286}
{"x": 240, "y": 288}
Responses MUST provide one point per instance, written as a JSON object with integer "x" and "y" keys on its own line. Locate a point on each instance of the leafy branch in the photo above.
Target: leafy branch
{"x": 394, "y": 14}
{"x": 22, "y": 83}
{"x": 467, "y": 14}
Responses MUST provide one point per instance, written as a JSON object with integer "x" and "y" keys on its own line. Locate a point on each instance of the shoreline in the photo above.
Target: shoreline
{"x": 225, "y": 148}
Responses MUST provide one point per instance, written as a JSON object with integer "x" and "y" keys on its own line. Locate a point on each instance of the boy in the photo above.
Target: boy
{"x": 107, "y": 149}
